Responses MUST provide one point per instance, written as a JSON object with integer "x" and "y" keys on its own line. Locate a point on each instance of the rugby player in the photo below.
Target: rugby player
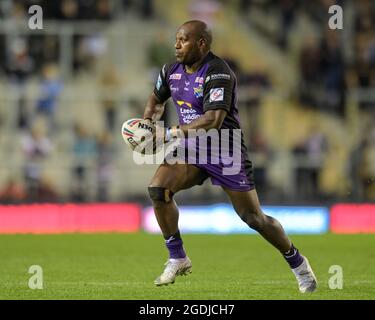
{"x": 203, "y": 84}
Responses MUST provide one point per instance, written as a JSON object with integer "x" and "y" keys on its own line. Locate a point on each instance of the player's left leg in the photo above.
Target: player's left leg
{"x": 168, "y": 180}
{"x": 247, "y": 206}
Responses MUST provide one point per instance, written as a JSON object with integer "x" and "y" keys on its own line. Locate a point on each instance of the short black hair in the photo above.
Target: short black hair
{"x": 201, "y": 30}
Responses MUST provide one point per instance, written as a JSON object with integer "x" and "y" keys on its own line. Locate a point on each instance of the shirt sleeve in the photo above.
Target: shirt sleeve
{"x": 218, "y": 88}
{"x": 161, "y": 88}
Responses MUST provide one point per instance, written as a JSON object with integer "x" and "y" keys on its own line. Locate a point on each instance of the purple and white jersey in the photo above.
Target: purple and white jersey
{"x": 212, "y": 86}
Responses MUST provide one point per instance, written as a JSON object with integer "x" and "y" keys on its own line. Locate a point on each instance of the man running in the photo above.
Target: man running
{"x": 203, "y": 89}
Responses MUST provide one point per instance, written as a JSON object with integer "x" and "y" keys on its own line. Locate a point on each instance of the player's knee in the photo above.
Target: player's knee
{"x": 253, "y": 218}
{"x": 160, "y": 195}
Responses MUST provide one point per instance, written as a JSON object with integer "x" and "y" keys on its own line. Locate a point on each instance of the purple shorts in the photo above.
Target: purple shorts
{"x": 235, "y": 178}
{"x": 241, "y": 181}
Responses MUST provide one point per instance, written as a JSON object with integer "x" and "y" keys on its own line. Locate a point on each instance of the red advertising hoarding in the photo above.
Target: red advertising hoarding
{"x": 353, "y": 218}
{"x": 66, "y": 218}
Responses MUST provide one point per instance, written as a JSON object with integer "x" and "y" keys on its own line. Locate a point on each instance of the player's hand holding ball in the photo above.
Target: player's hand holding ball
{"x": 146, "y": 137}
{"x": 165, "y": 134}
{"x": 140, "y": 135}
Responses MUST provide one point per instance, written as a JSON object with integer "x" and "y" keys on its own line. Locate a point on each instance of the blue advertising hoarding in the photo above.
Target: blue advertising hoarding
{"x": 222, "y": 219}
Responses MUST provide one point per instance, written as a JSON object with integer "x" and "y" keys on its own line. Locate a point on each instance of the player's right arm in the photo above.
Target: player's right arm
{"x": 155, "y": 104}
{"x": 154, "y": 108}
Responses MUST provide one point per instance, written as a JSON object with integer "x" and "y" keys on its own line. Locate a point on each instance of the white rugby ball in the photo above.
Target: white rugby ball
{"x": 138, "y": 135}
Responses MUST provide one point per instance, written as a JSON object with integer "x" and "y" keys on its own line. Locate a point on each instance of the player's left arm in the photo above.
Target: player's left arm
{"x": 211, "y": 119}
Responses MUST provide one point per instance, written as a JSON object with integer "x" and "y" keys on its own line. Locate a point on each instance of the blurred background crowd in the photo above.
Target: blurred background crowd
{"x": 306, "y": 95}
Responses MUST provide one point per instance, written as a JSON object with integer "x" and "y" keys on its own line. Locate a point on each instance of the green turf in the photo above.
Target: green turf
{"x": 123, "y": 266}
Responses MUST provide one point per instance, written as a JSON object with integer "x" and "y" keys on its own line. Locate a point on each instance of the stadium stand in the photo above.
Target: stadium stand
{"x": 307, "y": 108}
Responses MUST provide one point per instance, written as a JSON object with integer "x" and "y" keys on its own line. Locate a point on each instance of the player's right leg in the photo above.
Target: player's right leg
{"x": 169, "y": 179}
{"x": 247, "y": 206}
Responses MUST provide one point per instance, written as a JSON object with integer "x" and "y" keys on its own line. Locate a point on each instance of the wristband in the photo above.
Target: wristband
{"x": 172, "y": 132}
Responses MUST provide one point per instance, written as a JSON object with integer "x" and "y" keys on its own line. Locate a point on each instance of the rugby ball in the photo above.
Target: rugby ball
{"x": 139, "y": 135}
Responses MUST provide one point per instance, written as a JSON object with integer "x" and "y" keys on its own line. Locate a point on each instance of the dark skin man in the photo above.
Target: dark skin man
{"x": 215, "y": 92}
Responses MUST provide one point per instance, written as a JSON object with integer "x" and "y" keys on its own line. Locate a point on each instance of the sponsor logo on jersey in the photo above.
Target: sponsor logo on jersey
{"x": 199, "y": 80}
{"x": 198, "y": 92}
{"x": 216, "y": 94}
{"x": 182, "y": 103}
{"x": 187, "y": 83}
{"x": 217, "y": 76}
{"x": 175, "y": 76}
{"x": 188, "y": 115}
{"x": 173, "y": 89}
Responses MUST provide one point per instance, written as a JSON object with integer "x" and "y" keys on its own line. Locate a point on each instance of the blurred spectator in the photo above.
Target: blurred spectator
{"x": 84, "y": 151}
{"x": 43, "y": 49}
{"x": 333, "y": 70}
{"x": 105, "y": 165}
{"x": 322, "y": 73}
{"x": 261, "y": 155}
{"x": 19, "y": 67}
{"x": 36, "y": 147}
{"x": 283, "y": 13}
{"x": 245, "y": 5}
{"x": 318, "y": 10}
{"x": 233, "y": 64}
{"x": 310, "y": 155}
{"x": 13, "y": 192}
{"x": 109, "y": 86}
{"x": 256, "y": 83}
{"x": 51, "y": 9}
{"x": 68, "y": 10}
{"x": 147, "y": 9}
{"x": 258, "y": 142}
{"x": 19, "y": 63}
{"x": 87, "y": 9}
{"x": 361, "y": 74}
{"x": 18, "y": 12}
{"x": 49, "y": 92}
{"x": 287, "y": 17}
{"x": 371, "y": 49}
{"x": 4, "y": 8}
{"x": 50, "y": 49}
{"x": 364, "y": 16}
{"x": 89, "y": 49}
{"x": 159, "y": 53}
{"x": 3, "y": 55}
{"x": 362, "y": 167}
{"x": 46, "y": 191}
{"x": 126, "y": 4}
{"x": 144, "y": 8}
{"x": 309, "y": 63}
{"x": 103, "y": 10}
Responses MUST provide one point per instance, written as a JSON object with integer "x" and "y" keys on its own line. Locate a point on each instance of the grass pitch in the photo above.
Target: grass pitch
{"x": 123, "y": 266}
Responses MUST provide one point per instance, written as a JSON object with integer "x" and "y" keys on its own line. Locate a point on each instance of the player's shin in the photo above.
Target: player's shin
{"x": 166, "y": 213}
